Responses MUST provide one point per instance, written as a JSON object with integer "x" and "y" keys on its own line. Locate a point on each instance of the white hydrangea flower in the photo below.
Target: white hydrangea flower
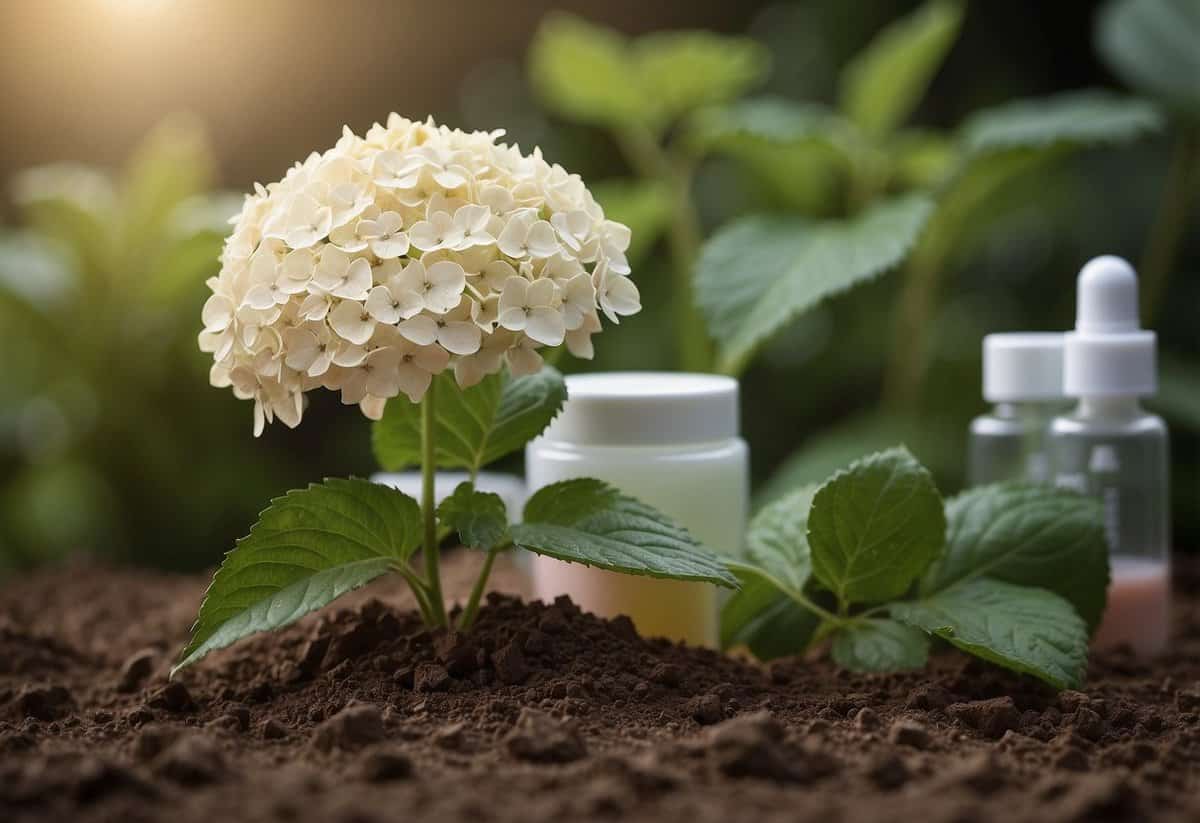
{"x": 378, "y": 264}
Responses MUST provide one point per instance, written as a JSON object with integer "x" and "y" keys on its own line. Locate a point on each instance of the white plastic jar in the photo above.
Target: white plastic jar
{"x": 670, "y": 440}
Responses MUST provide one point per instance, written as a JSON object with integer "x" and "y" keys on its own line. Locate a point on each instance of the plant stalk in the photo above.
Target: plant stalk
{"x": 652, "y": 162}
{"x": 911, "y": 327}
{"x": 419, "y": 590}
{"x": 467, "y": 618}
{"x": 1162, "y": 247}
{"x": 433, "y": 575}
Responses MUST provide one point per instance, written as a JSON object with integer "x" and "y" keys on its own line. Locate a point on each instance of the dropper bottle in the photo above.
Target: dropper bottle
{"x": 1022, "y": 379}
{"x": 1110, "y": 447}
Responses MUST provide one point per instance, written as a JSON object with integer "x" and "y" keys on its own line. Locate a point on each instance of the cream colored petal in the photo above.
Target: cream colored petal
{"x": 352, "y": 322}
{"x": 381, "y": 305}
{"x": 413, "y": 381}
{"x": 421, "y": 329}
{"x": 546, "y": 326}
{"x": 460, "y": 337}
{"x": 523, "y": 361}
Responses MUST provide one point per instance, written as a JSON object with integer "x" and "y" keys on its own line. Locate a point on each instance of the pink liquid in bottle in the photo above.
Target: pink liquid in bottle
{"x": 1139, "y": 605}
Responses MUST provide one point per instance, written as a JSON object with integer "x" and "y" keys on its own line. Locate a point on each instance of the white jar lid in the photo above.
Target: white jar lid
{"x": 1022, "y": 367}
{"x": 646, "y": 408}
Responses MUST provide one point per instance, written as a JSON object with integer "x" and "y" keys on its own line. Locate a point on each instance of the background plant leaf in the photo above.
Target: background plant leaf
{"x": 1152, "y": 46}
{"x": 643, "y": 205}
{"x": 1086, "y": 117}
{"x": 480, "y": 518}
{"x": 475, "y": 426}
{"x": 684, "y": 70}
{"x": 885, "y": 82}
{"x": 587, "y": 521}
{"x": 583, "y": 72}
{"x": 880, "y": 645}
{"x": 1030, "y": 536}
{"x": 875, "y": 527}
{"x": 1021, "y": 628}
{"x": 308, "y": 548}
{"x": 800, "y": 153}
{"x": 758, "y": 273}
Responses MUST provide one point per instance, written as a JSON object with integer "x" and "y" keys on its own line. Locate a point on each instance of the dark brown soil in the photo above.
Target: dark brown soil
{"x": 544, "y": 713}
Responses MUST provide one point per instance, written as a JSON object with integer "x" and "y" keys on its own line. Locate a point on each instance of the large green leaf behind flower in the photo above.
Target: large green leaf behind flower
{"x": 758, "y": 273}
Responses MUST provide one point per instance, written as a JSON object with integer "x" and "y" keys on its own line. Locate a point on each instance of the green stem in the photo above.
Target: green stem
{"x": 433, "y": 574}
{"x": 823, "y": 613}
{"x": 652, "y": 162}
{"x": 467, "y": 618}
{"x": 912, "y": 327}
{"x": 418, "y": 587}
{"x": 1167, "y": 230}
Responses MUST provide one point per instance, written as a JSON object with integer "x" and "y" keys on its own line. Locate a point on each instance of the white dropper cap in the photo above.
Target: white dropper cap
{"x": 1108, "y": 354}
{"x": 646, "y": 408}
{"x": 1023, "y": 367}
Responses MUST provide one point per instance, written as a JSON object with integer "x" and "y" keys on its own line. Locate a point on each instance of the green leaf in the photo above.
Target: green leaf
{"x": 830, "y": 449}
{"x": 172, "y": 163}
{"x": 480, "y": 518}
{"x": 1154, "y": 46}
{"x": 584, "y": 72}
{"x": 876, "y": 645}
{"x": 1021, "y": 628}
{"x": 475, "y": 426}
{"x": 596, "y": 75}
{"x": 643, "y": 205}
{"x": 777, "y": 538}
{"x": 923, "y": 159}
{"x": 1030, "y": 536}
{"x": 758, "y": 273}
{"x": 1179, "y": 391}
{"x": 1073, "y": 118}
{"x": 308, "y": 548}
{"x": 883, "y": 84}
{"x": 587, "y": 521}
{"x": 763, "y": 618}
{"x": 875, "y": 527}
{"x": 74, "y": 207}
{"x": 684, "y": 70}
{"x": 800, "y": 152}
{"x": 766, "y": 120}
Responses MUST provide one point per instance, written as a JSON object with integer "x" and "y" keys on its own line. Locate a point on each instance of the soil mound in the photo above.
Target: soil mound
{"x": 546, "y": 713}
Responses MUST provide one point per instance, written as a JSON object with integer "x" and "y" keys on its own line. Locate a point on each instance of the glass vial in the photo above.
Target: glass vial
{"x": 1022, "y": 378}
{"x": 1110, "y": 447}
{"x": 671, "y": 440}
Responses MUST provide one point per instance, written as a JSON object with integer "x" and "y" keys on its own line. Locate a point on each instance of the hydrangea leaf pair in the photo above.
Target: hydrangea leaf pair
{"x": 311, "y": 546}
{"x": 1013, "y": 574}
{"x": 475, "y": 427}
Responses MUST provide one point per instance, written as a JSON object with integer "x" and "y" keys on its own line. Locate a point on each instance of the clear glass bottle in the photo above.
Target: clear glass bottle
{"x": 1110, "y": 447}
{"x": 1022, "y": 377}
{"x": 671, "y": 440}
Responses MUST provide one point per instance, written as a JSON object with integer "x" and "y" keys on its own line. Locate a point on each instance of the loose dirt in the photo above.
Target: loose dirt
{"x": 356, "y": 714}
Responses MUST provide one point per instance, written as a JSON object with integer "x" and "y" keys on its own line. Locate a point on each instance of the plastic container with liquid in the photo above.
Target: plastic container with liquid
{"x": 1110, "y": 447}
{"x": 670, "y": 440}
{"x": 1022, "y": 378}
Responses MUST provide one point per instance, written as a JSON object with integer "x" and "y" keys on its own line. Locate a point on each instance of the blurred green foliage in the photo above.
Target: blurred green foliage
{"x": 752, "y": 160}
{"x": 110, "y": 440}
{"x": 771, "y": 204}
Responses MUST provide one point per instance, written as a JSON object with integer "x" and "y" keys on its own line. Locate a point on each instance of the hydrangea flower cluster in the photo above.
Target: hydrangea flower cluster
{"x": 389, "y": 258}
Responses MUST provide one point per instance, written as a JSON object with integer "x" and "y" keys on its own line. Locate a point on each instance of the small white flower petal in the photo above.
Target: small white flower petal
{"x": 460, "y": 337}
{"x": 421, "y": 329}
{"x": 546, "y": 326}
{"x": 352, "y": 322}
